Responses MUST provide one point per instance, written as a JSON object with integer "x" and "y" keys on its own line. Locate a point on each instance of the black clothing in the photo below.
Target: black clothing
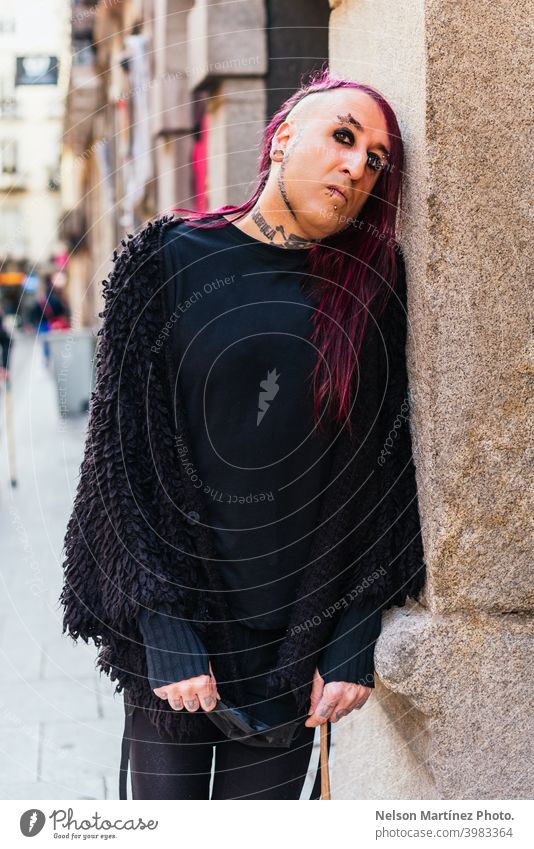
{"x": 164, "y": 769}
{"x": 242, "y": 339}
{"x": 263, "y": 484}
{"x": 139, "y": 535}
{"x": 175, "y": 652}
{"x": 5, "y": 344}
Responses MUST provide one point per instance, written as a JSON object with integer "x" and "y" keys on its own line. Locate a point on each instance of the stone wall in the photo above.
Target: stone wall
{"x": 453, "y": 712}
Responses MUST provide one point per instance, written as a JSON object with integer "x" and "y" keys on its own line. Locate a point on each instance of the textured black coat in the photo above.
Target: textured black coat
{"x": 136, "y": 535}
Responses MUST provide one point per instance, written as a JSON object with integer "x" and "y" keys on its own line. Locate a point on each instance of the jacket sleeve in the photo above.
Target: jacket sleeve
{"x": 121, "y": 553}
{"x": 174, "y": 651}
{"x": 349, "y": 656}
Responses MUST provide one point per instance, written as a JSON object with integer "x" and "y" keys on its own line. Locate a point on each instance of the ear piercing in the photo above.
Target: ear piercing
{"x": 277, "y": 155}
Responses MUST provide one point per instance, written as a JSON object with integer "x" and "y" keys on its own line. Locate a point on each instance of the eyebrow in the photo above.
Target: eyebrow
{"x": 349, "y": 119}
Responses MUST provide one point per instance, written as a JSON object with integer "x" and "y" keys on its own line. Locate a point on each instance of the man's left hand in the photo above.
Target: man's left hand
{"x": 334, "y": 700}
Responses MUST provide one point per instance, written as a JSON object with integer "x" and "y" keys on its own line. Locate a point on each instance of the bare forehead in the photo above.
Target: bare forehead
{"x": 325, "y": 106}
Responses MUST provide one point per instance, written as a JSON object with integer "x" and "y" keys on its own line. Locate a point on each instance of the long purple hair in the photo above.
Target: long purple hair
{"x": 350, "y": 269}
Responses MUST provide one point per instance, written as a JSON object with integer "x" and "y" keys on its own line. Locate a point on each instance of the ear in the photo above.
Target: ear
{"x": 282, "y": 135}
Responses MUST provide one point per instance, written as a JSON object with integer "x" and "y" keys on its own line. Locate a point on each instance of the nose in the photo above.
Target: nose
{"x": 354, "y": 163}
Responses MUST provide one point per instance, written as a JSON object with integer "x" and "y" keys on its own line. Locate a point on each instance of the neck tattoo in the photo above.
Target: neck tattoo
{"x": 283, "y": 166}
{"x": 289, "y": 240}
{"x": 282, "y": 190}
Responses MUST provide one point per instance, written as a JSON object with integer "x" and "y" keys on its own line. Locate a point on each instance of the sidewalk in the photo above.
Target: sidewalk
{"x": 60, "y": 722}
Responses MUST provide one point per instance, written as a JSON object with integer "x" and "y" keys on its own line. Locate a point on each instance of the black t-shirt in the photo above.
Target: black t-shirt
{"x": 241, "y": 331}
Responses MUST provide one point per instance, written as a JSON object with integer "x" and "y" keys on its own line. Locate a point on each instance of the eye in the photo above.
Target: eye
{"x": 346, "y": 133}
{"x": 374, "y": 162}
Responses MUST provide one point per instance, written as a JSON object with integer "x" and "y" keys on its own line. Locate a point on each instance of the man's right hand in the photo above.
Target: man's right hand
{"x": 192, "y": 693}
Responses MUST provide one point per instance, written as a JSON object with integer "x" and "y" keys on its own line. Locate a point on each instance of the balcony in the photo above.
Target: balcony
{"x": 225, "y": 41}
{"x": 73, "y": 228}
{"x": 83, "y": 101}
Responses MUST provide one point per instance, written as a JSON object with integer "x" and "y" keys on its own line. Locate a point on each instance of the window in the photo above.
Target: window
{"x": 8, "y": 156}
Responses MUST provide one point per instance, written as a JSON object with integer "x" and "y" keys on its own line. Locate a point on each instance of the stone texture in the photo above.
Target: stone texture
{"x": 378, "y": 751}
{"x": 467, "y": 676}
{"x": 456, "y": 668}
{"x": 236, "y": 115}
{"x": 226, "y": 41}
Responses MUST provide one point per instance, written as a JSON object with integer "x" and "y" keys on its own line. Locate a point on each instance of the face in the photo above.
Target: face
{"x": 335, "y": 149}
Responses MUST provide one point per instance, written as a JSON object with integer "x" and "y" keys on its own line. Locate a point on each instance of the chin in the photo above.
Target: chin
{"x": 321, "y": 223}
{"x": 340, "y": 220}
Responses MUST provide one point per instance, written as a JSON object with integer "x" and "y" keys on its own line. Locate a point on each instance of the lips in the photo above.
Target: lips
{"x": 336, "y": 192}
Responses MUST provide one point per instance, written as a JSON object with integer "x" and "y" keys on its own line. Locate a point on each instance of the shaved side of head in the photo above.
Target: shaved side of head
{"x": 308, "y": 108}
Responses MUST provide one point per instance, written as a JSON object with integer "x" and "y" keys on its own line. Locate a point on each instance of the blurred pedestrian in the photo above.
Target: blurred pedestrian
{"x": 5, "y": 344}
{"x": 48, "y": 313}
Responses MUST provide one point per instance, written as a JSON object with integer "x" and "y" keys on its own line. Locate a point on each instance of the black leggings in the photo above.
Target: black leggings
{"x": 163, "y": 769}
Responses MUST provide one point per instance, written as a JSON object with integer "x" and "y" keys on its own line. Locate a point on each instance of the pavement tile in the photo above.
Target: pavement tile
{"x": 73, "y": 752}
{"x": 63, "y": 658}
{"x": 53, "y": 791}
{"x": 58, "y": 701}
{"x": 19, "y": 750}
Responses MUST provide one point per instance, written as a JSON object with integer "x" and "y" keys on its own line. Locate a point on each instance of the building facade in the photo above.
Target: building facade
{"x": 166, "y": 105}
{"x": 33, "y": 79}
